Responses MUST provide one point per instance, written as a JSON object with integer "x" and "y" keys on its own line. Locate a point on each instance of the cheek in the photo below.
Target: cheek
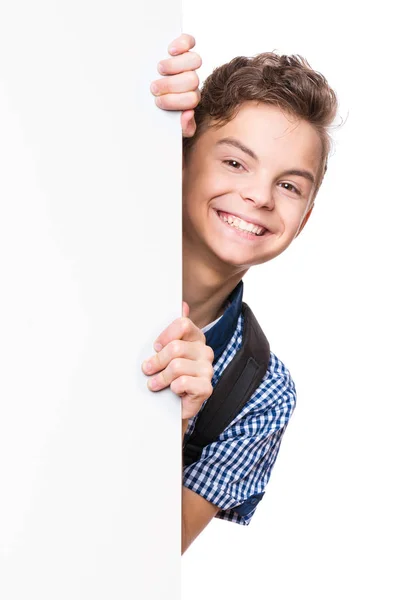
{"x": 205, "y": 186}
{"x": 291, "y": 215}
{"x": 217, "y": 183}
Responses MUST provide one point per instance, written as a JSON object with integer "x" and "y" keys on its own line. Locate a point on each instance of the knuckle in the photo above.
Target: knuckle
{"x": 189, "y": 39}
{"x": 195, "y": 99}
{"x": 192, "y": 79}
{"x": 175, "y": 366}
{"x": 162, "y": 378}
{"x": 209, "y": 353}
{"x": 209, "y": 371}
{"x": 157, "y": 361}
{"x": 204, "y": 393}
{"x": 185, "y": 324}
{"x": 202, "y": 337}
{"x": 178, "y": 386}
{"x": 182, "y": 382}
{"x": 175, "y": 348}
{"x": 196, "y": 60}
{"x": 175, "y": 386}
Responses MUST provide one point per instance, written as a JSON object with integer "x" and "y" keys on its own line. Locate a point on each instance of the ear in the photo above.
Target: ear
{"x": 306, "y": 218}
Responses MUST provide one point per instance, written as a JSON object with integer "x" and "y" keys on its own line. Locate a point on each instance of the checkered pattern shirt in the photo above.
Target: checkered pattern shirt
{"x": 232, "y": 472}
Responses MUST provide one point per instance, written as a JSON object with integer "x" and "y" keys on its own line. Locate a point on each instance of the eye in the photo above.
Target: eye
{"x": 234, "y": 164}
{"x": 289, "y": 187}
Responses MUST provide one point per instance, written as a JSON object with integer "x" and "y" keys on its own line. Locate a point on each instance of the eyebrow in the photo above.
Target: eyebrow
{"x": 299, "y": 173}
{"x": 231, "y": 141}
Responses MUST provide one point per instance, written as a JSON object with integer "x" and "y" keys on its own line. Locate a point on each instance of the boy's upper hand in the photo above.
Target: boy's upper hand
{"x": 184, "y": 363}
{"x": 179, "y": 90}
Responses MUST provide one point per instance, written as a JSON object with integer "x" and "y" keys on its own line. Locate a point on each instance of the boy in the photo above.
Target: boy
{"x": 255, "y": 154}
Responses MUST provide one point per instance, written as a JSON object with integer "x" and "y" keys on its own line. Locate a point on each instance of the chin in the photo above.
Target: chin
{"x": 237, "y": 261}
{"x": 240, "y": 257}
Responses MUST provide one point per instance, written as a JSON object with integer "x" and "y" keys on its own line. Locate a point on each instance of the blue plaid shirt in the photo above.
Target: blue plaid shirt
{"x": 233, "y": 471}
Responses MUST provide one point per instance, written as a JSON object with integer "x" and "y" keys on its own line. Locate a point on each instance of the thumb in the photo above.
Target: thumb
{"x": 185, "y": 309}
{"x": 188, "y": 123}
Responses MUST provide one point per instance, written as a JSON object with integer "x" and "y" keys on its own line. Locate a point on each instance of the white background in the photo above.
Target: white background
{"x": 325, "y": 527}
{"x": 90, "y": 172}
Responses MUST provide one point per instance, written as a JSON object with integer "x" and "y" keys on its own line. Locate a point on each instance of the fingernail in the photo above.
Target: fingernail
{"x": 154, "y": 88}
{"x": 147, "y": 366}
{"x": 173, "y": 50}
{"x": 153, "y": 384}
{"x": 161, "y": 68}
{"x": 158, "y": 347}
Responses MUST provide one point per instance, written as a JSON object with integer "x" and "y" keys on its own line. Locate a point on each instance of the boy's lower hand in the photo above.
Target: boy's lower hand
{"x": 183, "y": 362}
{"x": 180, "y": 89}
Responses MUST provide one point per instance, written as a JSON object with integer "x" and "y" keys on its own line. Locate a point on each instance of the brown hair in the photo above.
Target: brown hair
{"x": 287, "y": 82}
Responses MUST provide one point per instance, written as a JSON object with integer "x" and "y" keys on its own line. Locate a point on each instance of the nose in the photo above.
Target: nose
{"x": 260, "y": 193}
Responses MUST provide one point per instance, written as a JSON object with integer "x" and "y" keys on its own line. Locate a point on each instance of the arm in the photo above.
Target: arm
{"x": 184, "y": 362}
{"x": 196, "y": 511}
{"x": 196, "y": 514}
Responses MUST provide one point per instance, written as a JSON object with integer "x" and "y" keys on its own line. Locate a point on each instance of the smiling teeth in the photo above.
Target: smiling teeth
{"x": 242, "y": 225}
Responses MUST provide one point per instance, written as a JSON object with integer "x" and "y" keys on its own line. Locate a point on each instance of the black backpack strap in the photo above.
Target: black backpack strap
{"x": 238, "y": 382}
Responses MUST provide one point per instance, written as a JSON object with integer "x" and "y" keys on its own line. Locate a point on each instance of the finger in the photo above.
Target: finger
{"x": 182, "y": 82}
{"x": 179, "y": 367}
{"x": 185, "y": 101}
{"x": 177, "y": 349}
{"x": 190, "y": 61}
{"x": 193, "y": 391}
{"x": 181, "y": 329}
{"x": 182, "y": 43}
{"x": 188, "y": 123}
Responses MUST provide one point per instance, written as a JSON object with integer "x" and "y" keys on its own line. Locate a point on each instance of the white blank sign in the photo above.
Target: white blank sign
{"x": 90, "y": 274}
{"x": 325, "y": 528}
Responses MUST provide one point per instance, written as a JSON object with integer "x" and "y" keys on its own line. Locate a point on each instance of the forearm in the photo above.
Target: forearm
{"x": 183, "y": 531}
{"x": 184, "y": 428}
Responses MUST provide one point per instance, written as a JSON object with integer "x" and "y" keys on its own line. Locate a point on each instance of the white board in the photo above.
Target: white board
{"x": 90, "y": 273}
{"x": 325, "y": 527}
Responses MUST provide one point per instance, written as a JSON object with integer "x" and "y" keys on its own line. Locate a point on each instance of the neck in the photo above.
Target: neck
{"x": 206, "y": 286}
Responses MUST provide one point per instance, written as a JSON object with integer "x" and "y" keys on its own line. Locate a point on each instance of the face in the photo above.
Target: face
{"x": 248, "y": 186}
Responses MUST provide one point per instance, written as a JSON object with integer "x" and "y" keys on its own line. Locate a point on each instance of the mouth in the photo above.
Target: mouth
{"x": 244, "y": 228}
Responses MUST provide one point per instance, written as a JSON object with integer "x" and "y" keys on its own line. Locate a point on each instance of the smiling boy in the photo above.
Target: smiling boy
{"x": 255, "y": 152}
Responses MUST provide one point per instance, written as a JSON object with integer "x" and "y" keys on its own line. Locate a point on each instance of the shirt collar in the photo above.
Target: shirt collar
{"x": 219, "y": 336}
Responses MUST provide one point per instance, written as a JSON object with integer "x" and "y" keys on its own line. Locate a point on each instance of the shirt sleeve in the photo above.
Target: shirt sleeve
{"x": 233, "y": 472}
